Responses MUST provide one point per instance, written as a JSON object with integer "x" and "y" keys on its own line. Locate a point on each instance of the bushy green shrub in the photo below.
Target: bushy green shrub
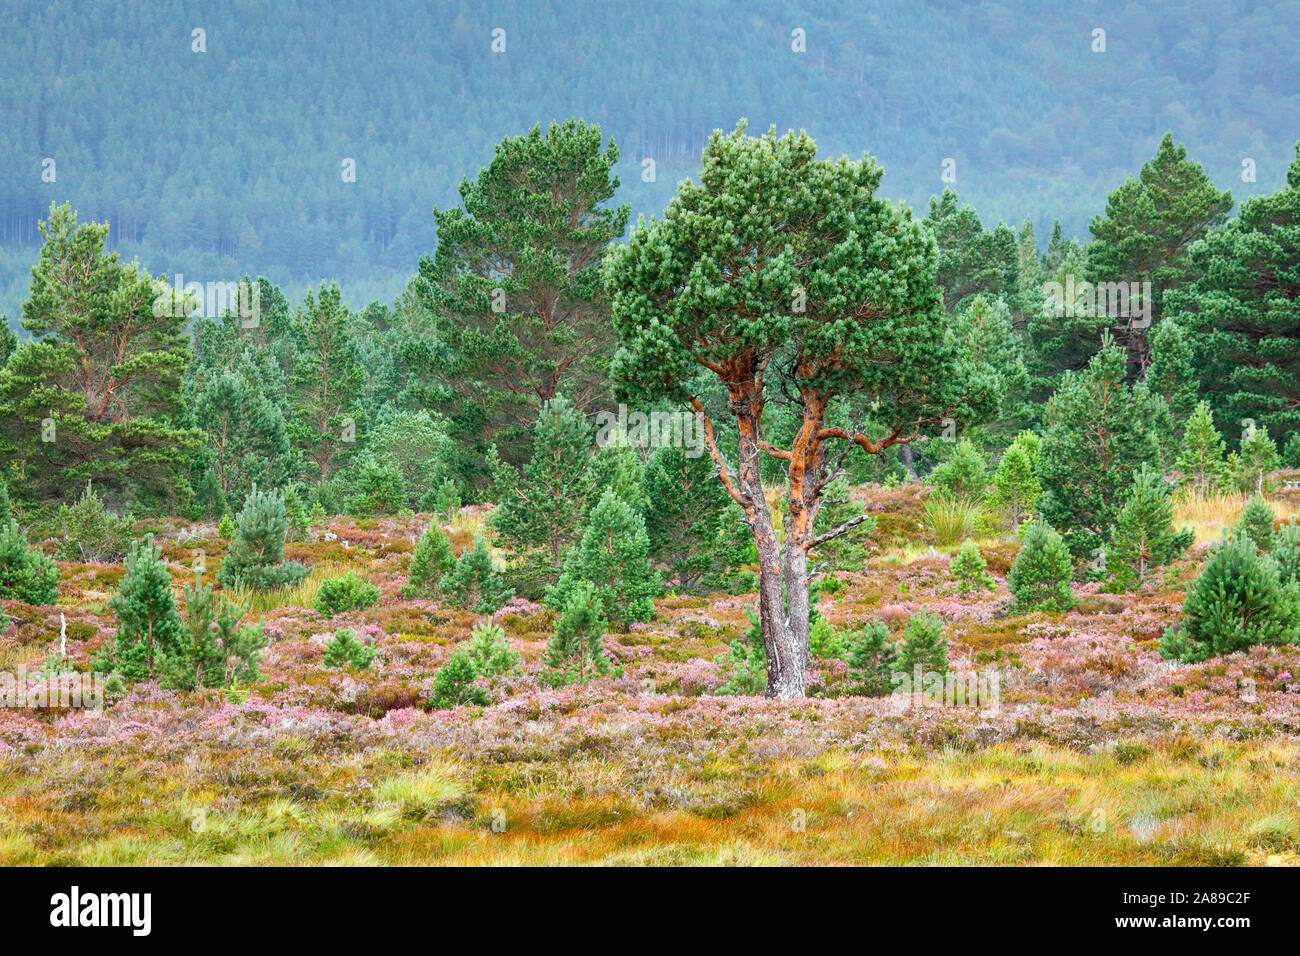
{"x": 453, "y": 685}
{"x": 432, "y": 559}
{"x": 255, "y": 556}
{"x": 1238, "y": 601}
{"x": 963, "y": 474}
{"x": 473, "y": 583}
{"x": 871, "y": 661}
{"x": 923, "y": 644}
{"x": 825, "y": 641}
{"x": 1286, "y": 551}
{"x": 90, "y": 532}
{"x": 226, "y": 527}
{"x": 487, "y": 655}
{"x": 1256, "y": 521}
{"x": 1144, "y": 537}
{"x": 295, "y": 514}
{"x": 372, "y": 486}
{"x": 490, "y": 650}
{"x": 748, "y": 662}
{"x": 25, "y": 574}
{"x": 351, "y": 592}
{"x": 1015, "y": 483}
{"x": 690, "y": 522}
{"x": 540, "y": 508}
{"x": 148, "y": 625}
{"x": 1040, "y": 577}
{"x": 971, "y": 570}
{"x": 612, "y": 556}
{"x": 214, "y": 650}
{"x": 576, "y": 652}
{"x": 345, "y": 651}
{"x": 443, "y": 499}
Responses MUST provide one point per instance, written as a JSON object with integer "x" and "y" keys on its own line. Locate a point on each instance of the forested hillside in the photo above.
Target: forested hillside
{"x": 219, "y": 163}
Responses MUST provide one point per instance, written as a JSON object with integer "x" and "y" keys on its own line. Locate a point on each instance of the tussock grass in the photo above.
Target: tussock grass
{"x": 303, "y": 594}
{"x": 1178, "y": 803}
{"x": 1212, "y": 515}
{"x": 950, "y": 518}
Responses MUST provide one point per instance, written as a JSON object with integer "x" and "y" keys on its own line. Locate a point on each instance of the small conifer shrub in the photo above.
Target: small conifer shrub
{"x": 1143, "y": 537}
{"x": 1040, "y": 577}
{"x": 971, "y": 570}
{"x": 576, "y": 652}
{"x": 351, "y": 592}
{"x": 149, "y": 628}
{"x": 1238, "y": 601}
{"x": 346, "y": 652}
{"x": 432, "y": 559}
{"x": 923, "y": 644}
{"x": 25, "y": 574}
{"x": 871, "y": 661}
{"x": 473, "y": 583}
{"x": 255, "y": 559}
{"x": 1256, "y": 521}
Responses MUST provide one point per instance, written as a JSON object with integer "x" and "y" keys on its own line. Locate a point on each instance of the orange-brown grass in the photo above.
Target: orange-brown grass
{"x": 1169, "y": 801}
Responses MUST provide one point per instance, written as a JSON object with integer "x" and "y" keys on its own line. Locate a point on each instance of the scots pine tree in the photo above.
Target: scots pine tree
{"x": 539, "y": 512}
{"x": 149, "y": 629}
{"x": 971, "y": 570}
{"x": 870, "y": 657}
{"x": 1241, "y": 313}
{"x": 1200, "y": 458}
{"x": 1286, "y": 551}
{"x": 847, "y": 552}
{"x": 453, "y": 685}
{"x": 90, "y": 532}
{"x": 685, "y": 518}
{"x": 1148, "y": 229}
{"x": 576, "y": 652}
{"x": 513, "y": 287}
{"x": 247, "y": 440}
{"x": 1256, "y": 521}
{"x": 255, "y": 558}
{"x": 325, "y": 388}
{"x": 214, "y": 650}
{"x": 1238, "y": 601}
{"x": 295, "y": 514}
{"x": 781, "y": 274}
{"x": 431, "y": 560}
{"x": 963, "y": 474}
{"x": 613, "y": 556}
{"x": 972, "y": 259}
{"x": 1098, "y": 433}
{"x": 1016, "y": 488}
{"x": 922, "y": 645}
{"x": 1040, "y": 577}
{"x": 95, "y": 394}
{"x": 1143, "y": 537}
{"x": 473, "y": 583}
{"x": 26, "y": 574}
{"x": 1173, "y": 375}
{"x": 1256, "y": 457}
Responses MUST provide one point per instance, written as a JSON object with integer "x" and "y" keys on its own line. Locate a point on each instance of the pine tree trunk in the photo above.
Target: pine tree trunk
{"x": 905, "y": 455}
{"x": 791, "y": 682}
{"x": 785, "y": 677}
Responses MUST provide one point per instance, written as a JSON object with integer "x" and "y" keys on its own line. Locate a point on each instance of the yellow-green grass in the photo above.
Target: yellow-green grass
{"x": 1212, "y": 515}
{"x": 302, "y": 594}
{"x": 1173, "y": 801}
